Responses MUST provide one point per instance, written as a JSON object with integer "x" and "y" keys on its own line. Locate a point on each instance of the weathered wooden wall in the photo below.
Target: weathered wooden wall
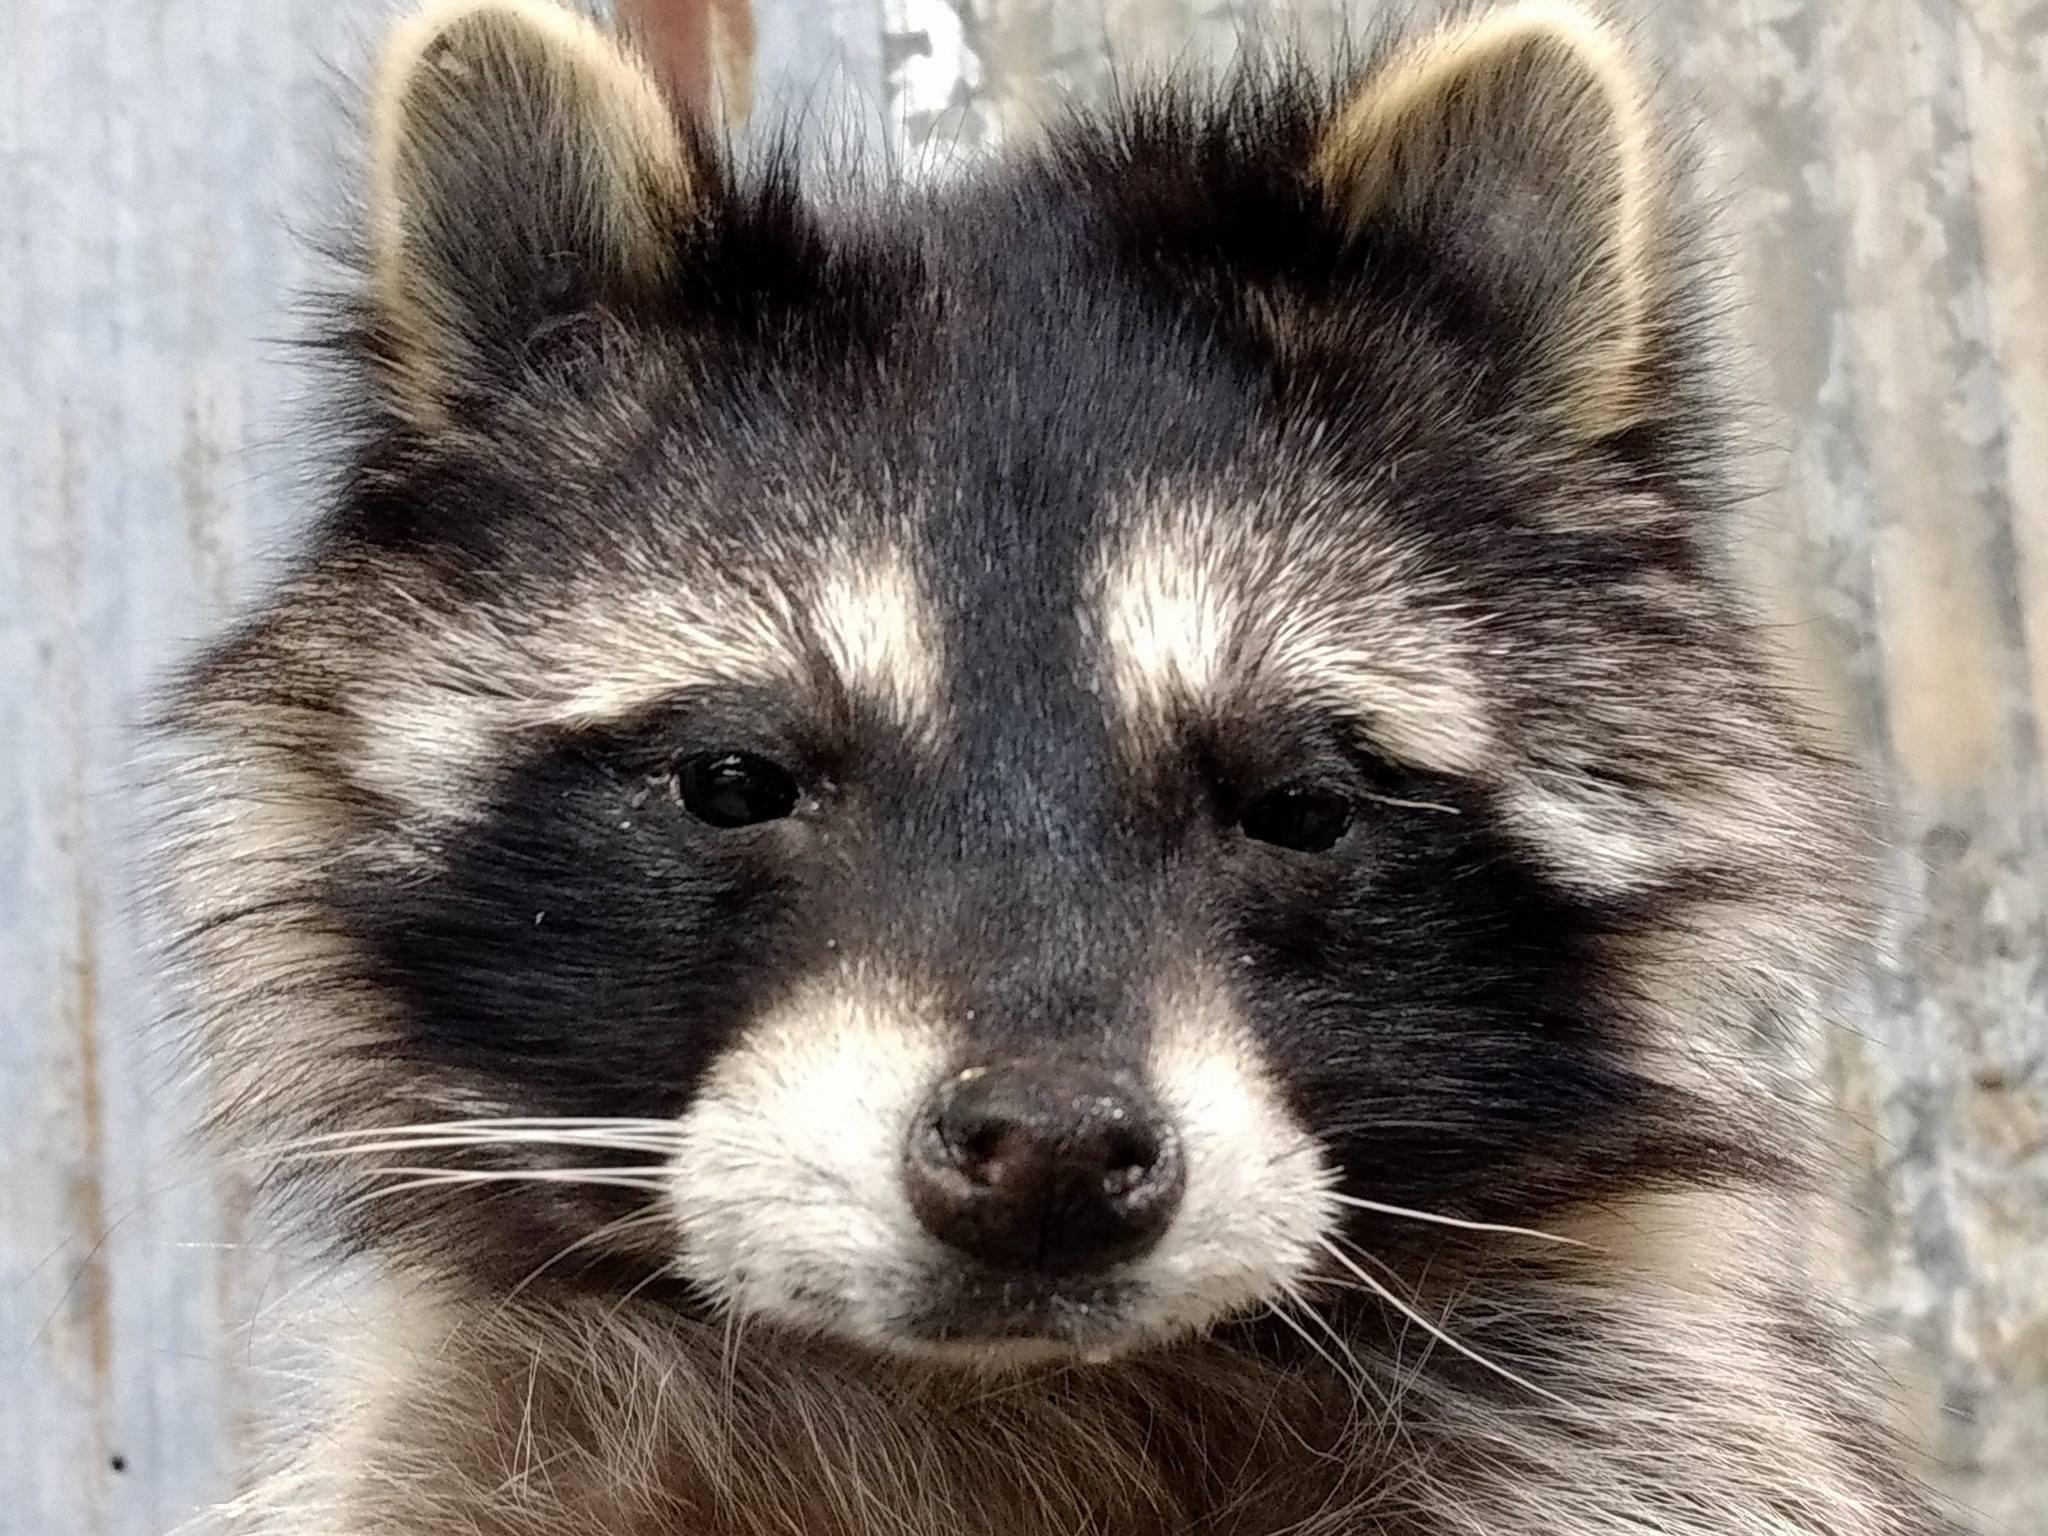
{"x": 1886, "y": 167}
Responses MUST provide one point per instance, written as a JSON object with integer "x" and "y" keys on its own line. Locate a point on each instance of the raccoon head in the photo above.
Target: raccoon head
{"x": 1017, "y": 768}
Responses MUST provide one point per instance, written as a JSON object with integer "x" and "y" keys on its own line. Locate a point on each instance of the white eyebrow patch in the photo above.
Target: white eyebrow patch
{"x": 1388, "y": 660}
{"x": 879, "y": 633}
{"x": 619, "y": 655}
{"x": 449, "y": 687}
{"x": 1166, "y": 620}
{"x": 452, "y": 685}
{"x": 1198, "y": 600}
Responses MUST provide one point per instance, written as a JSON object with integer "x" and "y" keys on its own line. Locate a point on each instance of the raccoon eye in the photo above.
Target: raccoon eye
{"x": 735, "y": 789}
{"x": 1298, "y": 816}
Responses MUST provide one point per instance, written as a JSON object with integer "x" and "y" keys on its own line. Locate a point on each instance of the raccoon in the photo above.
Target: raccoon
{"x": 1101, "y": 848}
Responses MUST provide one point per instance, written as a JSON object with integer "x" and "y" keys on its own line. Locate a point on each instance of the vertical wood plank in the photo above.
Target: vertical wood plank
{"x": 1951, "y": 1065}
{"x": 153, "y": 162}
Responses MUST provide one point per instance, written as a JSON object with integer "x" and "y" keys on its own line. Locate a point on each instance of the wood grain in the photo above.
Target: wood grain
{"x": 1883, "y": 171}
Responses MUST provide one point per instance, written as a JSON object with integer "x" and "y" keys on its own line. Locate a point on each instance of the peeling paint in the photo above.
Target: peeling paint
{"x": 198, "y": 469}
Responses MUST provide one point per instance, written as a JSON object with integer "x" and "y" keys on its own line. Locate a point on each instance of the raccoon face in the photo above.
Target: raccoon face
{"x": 1018, "y": 770}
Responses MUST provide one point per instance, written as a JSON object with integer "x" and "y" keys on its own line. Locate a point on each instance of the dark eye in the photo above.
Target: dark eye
{"x": 735, "y": 789}
{"x": 1298, "y": 816}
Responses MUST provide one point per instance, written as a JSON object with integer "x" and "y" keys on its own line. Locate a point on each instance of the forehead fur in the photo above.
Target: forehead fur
{"x": 1223, "y": 297}
{"x": 1203, "y": 602}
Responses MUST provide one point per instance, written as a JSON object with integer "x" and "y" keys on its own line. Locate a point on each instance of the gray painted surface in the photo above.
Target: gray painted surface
{"x": 1886, "y": 175}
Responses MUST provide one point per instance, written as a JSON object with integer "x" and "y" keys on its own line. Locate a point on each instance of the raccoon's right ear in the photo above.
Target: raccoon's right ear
{"x": 523, "y": 162}
{"x": 1518, "y": 146}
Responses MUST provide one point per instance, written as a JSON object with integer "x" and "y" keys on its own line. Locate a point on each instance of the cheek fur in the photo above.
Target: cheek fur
{"x": 1258, "y": 1199}
{"x": 788, "y": 1188}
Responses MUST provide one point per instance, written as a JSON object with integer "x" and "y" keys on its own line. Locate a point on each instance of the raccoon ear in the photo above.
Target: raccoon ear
{"x": 1520, "y": 144}
{"x": 523, "y": 163}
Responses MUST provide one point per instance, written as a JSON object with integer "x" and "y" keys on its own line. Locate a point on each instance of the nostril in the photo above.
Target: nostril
{"x": 1128, "y": 1159}
{"x": 977, "y": 1145}
{"x": 1043, "y": 1165}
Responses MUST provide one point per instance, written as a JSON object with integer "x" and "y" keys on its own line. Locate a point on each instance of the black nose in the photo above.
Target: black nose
{"x": 1039, "y": 1165}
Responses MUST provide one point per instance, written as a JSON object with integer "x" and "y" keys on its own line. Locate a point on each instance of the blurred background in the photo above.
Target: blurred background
{"x": 1882, "y": 169}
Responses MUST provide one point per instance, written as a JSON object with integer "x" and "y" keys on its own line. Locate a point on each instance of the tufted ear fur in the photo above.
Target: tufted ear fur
{"x": 1519, "y": 143}
{"x": 523, "y": 163}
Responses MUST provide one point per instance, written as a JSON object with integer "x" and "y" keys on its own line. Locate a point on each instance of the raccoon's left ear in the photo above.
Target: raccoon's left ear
{"x": 523, "y": 163}
{"x": 1519, "y": 146}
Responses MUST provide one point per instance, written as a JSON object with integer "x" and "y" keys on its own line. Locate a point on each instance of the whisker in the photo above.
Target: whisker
{"x": 729, "y": 1365}
{"x": 1454, "y": 1221}
{"x": 1424, "y": 1323}
{"x": 464, "y": 1139}
{"x": 1354, "y": 1379}
{"x": 632, "y": 1221}
{"x": 1413, "y": 805}
{"x": 411, "y": 1179}
{"x": 1391, "y": 1392}
{"x": 654, "y": 1129}
{"x": 650, "y": 1179}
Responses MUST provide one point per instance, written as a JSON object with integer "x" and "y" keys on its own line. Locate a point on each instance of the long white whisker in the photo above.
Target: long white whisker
{"x": 1424, "y": 1323}
{"x": 465, "y": 1139}
{"x": 1355, "y": 1378}
{"x": 434, "y": 1178}
{"x": 650, "y": 1179}
{"x": 517, "y": 1133}
{"x": 537, "y": 1122}
{"x": 1414, "y": 805}
{"x": 650, "y": 1128}
{"x": 1453, "y": 1221}
{"x": 1390, "y": 1394}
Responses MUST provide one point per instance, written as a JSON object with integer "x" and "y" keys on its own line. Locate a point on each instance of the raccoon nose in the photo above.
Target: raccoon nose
{"x": 1047, "y": 1166}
